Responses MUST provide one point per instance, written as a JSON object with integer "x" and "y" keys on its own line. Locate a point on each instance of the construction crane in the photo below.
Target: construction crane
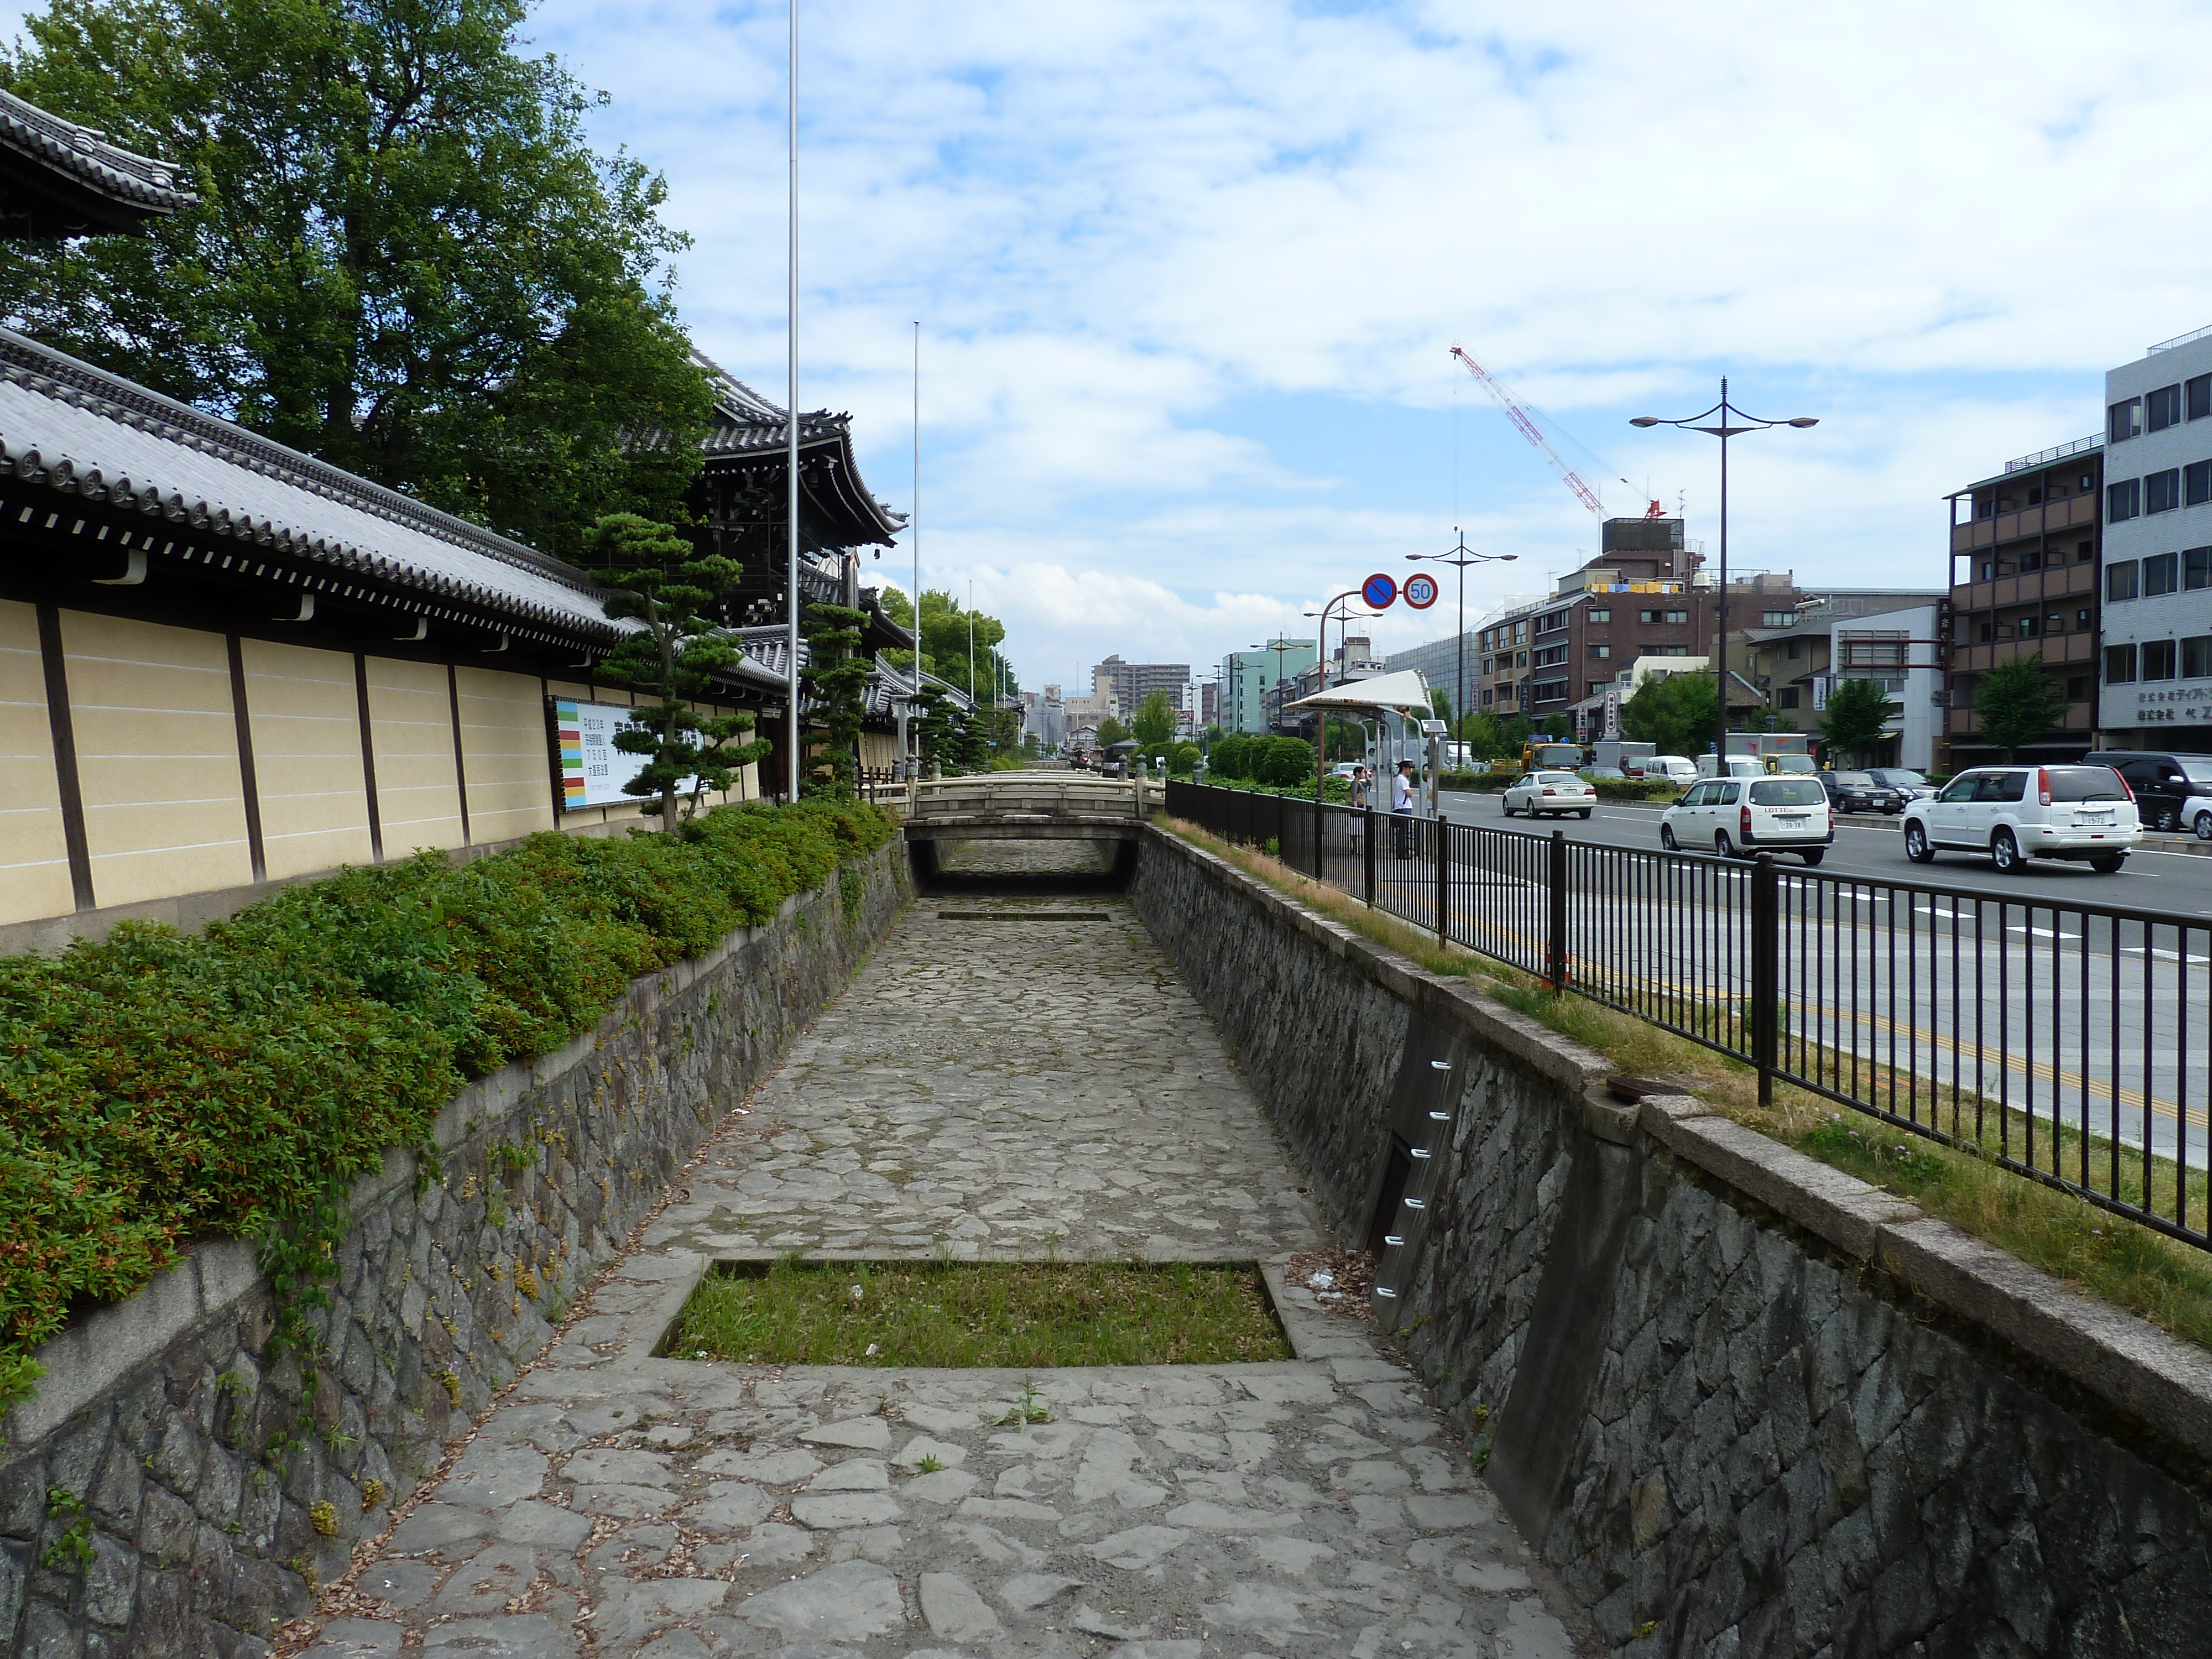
{"x": 1529, "y": 428}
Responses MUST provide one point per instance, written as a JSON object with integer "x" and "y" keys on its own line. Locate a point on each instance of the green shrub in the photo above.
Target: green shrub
{"x": 157, "y": 1088}
{"x": 1232, "y": 757}
{"x": 1635, "y": 788}
{"x": 1477, "y": 782}
{"x": 1288, "y": 762}
{"x": 1183, "y": 758}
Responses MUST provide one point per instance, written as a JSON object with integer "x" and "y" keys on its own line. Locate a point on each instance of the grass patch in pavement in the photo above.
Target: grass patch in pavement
{"x": 963, "y": 1315}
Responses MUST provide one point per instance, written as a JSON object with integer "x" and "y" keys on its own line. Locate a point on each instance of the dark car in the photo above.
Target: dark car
{"x": 2171, "y": 791}
{"x": 1857, "y": 792}
{"x": 1908, "y": 783}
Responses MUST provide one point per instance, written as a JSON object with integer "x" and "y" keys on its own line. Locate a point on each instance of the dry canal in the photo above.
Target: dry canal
{"x": 1017, "y": 1072}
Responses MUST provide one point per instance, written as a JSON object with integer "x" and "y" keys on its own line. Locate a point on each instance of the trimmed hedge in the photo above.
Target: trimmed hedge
{"x": 157, "y": 1088}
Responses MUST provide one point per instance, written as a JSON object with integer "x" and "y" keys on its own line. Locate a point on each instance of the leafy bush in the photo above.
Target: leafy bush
{"x": 157, "y": 1088}
{"x": 1636, "y": 788}
{"x": 1287, "y": 763}
{"x": 1182, "y": 759}
{"x": 1478, "y": 782}
{"x": 1231, "y": 758}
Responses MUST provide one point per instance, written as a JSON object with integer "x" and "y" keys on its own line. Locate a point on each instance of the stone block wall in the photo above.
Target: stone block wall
{"x": 148, "y": 1506}
{"x": 1741, "y": 1403}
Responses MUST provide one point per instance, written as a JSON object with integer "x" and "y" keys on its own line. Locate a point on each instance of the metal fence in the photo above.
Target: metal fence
{"x": 2070, "y": 1042}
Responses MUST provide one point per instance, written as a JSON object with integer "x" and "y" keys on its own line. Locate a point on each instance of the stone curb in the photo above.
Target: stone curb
{"x": 2155, "y": 1379}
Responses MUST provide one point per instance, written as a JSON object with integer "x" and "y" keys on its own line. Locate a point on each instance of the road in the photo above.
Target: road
{"x": 2171, "y": 883}
{"x": 1948, "y": 979}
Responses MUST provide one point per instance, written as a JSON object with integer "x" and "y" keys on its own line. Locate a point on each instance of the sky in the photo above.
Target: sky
{"x": 1188, "y": 276}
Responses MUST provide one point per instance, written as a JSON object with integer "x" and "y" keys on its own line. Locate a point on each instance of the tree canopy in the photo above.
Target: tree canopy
{"x": 1857, "y": 715}
{"x": 1154, "y": 723}
{"x": 1678, "y": 713}
{"x": 2016, "y": 703}
{"x": 406, "y": 258}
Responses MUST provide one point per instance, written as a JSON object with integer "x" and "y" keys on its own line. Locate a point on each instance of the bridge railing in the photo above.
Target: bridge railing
{"x": 2068, "y": 1041}
{"x": 1020, "y": 794}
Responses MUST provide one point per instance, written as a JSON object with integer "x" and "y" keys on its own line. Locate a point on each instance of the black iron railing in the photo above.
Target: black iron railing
{"x": 2070, "y": 1042}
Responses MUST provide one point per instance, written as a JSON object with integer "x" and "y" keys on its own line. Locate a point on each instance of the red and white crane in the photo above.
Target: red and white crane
{"x": 1528, "y": 427}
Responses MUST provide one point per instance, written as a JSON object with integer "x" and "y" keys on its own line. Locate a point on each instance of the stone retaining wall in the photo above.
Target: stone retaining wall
{"x": 140, "y": 1509}
{"x": 1742, "y": 1403}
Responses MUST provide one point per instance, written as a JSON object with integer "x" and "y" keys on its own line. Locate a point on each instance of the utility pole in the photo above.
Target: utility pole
{"x": 791, "y": 459}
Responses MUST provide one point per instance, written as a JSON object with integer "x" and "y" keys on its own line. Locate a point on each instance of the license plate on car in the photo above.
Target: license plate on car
{"x": 2093, "y": 818}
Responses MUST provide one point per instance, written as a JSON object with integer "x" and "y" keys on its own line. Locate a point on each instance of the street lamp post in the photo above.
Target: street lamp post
{"x": 1728, "y": 413}
{"x": 1461, "y": 557}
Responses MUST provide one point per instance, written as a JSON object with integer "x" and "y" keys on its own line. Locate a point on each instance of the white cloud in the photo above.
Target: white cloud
{"x": 1182, "y": 267}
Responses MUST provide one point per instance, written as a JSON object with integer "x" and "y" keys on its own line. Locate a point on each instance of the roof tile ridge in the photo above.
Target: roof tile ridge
{"x": 55, "y": 373}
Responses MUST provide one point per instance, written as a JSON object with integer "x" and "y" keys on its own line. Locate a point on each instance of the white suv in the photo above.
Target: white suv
{"x": 1750, "y": 816}
{"x": 2014, "y": 813}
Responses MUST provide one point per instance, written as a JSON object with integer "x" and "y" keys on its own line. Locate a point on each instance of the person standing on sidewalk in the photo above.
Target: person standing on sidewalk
{"x": 1402, "y": 811}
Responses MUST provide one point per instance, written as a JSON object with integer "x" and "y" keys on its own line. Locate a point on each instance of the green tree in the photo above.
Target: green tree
{"x": 1482, "y": 735}
{"x": 1230, "y": 757}
{"x": 836, "y": 676}
{"x": 2016, "y": 703}
{"x": 1857, "y": 718}
{"x": 1677, "y": 713}
{"x": 1154, "y": 723}
{"x": 1440, "y": 702}
{"x": 406, "y": 258}
{"x": 934, "y": 726}
{"x": 652, "y": 572}
{"x": 1182, "y": 759}
{"x": 944, "y": 653}
{"x": 1111, "y": 731}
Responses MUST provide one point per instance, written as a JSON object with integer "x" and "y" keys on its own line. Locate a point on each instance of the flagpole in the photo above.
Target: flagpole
{"x": 791, "y": 463}
{"x": 916, "y": 547}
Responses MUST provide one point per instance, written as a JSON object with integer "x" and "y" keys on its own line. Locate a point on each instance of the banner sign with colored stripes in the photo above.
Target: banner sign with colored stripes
{"x": 593, "y": 770}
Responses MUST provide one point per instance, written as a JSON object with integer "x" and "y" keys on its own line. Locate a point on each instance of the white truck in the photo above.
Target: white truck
{"x": 1754, "y": 754}
{"x": 1625, "y": 755}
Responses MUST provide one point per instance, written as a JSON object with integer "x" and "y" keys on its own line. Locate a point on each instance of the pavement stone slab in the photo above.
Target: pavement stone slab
{"x": 628, "y": 1504}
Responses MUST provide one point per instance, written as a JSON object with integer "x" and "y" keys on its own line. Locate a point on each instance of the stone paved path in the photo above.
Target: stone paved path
{"x": 991, "y": 1084}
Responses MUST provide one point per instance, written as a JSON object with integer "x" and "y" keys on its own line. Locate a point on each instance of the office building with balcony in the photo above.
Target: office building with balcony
{"x": 1131, "y": 682}
{"x": 2025, "y": 551}
{"x": 2155, "y": 585}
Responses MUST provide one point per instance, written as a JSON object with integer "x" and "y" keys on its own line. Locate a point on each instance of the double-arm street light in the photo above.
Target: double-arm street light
{"x": 1732, "y": 422}
{"x": 1460, "y": 556}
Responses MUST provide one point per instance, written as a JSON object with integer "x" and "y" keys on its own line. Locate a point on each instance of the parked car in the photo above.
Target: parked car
{"x": 1344, "y": 769}
{"x": 2171, "y": 791}
{"x": 1545, "y": 794}
{"x": 1745, "y": 816}
{"x": 1912, "y": 785}
{"x": 2014, "y": 813}
{"x": 1594, "y": 773}
{"x": 1675, "y": 768}
{"x": 1858, "y": 792}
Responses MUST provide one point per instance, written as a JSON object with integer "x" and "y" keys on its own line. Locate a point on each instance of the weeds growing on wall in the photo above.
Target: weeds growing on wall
{"x": 157, "y": 1088}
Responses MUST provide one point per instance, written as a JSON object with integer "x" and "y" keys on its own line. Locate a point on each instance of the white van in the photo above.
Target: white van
{"x": 1748, "y": 815}
{"x": 1675, "y": 769}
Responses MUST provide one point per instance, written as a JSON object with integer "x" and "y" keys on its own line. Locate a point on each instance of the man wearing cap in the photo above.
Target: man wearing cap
{"x": 1401, "y": 810}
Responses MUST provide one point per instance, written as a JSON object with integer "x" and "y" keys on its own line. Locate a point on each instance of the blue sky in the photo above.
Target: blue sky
{"x": 1187, "y": 275}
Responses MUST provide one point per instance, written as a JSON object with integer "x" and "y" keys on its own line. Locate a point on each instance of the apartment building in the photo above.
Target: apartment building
{"x": 2156, "y": 555}
{"x": 2025, "y": 551}
{"x": 1249, "y": 676}
{"x": 1131, "y": 682}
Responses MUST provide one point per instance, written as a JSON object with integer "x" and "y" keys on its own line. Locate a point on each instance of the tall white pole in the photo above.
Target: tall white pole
{"x": 914, "y": 526}
{"x": 791, "y": 585}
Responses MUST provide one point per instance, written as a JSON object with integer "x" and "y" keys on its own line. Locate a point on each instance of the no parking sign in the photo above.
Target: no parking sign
{"x": 1380, "y": 590}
